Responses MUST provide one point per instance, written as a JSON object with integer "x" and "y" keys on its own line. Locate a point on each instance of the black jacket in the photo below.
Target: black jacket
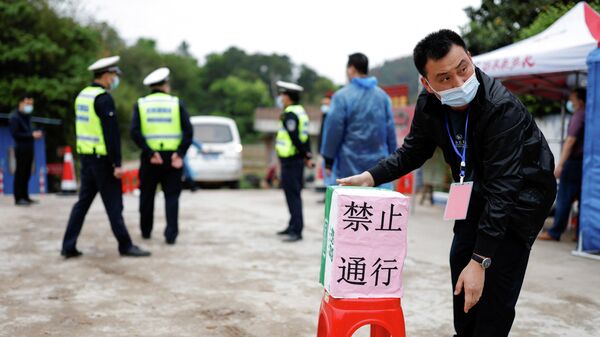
{"x": 514, "y": 185}
{"x": 21, "y": 130}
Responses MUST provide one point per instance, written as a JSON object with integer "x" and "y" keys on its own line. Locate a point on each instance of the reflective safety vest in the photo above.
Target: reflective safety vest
{"x": 160, "y": 121}
{"x": 283, "y": 143}
{"x": 88, "y": 128}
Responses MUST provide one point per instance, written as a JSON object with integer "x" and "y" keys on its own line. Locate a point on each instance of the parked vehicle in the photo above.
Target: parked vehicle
{"x": 219, "y": 162}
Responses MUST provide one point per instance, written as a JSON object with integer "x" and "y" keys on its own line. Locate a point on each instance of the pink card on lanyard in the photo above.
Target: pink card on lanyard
{"x": 458, "y": 201}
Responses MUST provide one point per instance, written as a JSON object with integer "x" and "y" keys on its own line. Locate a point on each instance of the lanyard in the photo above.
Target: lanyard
{"x": 463, "y": 155}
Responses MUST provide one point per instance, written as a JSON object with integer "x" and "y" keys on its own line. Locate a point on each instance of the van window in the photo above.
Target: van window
{"x": 212, "y": 133}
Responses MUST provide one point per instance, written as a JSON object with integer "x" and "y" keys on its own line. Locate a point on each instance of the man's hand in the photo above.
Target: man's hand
{"x": 156, "y": 159}
{"x": 471, "y": 279}
{"x": 309, "y": 163}
{"x": 118, "y": 172}
{"x": 363, "y": 179}
{"x": 37, "y": 134}
{"x": 558, "y": 171}
{"x": 176, "y": 161}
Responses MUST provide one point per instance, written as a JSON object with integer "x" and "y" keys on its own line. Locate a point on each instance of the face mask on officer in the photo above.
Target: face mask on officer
{"x": 279, "y": 102}
{"x": 460, "y": 96}
{"x": 115, "y": 82}
{"x": 28, "y": 109}
{"x": 324, "y": 108}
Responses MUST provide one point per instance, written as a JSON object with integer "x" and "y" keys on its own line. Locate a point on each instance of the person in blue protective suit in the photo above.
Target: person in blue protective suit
{"x": 359, "y": 130}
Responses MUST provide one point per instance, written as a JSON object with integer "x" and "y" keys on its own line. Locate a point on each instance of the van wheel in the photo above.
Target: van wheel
{"x": 234, "y": 185}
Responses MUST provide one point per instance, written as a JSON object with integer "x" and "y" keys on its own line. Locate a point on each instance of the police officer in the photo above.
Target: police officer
{"x": 161, "y": 127}
{"x": 293, "y": 149}
{"x": 99, "y": 148}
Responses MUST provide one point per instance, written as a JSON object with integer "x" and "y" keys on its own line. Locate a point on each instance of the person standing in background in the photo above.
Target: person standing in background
{"x": 161, "y": 127}
{"x": 99, "y": 149}
{"x": 328, "y": 179}
{"x": 24, "y": 137}
{"x": 293, "y": 149}
{"x": 359, "y": 130}
{"x": 570, "y": 166}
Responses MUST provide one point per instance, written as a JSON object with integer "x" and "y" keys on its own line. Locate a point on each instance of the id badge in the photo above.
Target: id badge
{"x": 458, "y": 201}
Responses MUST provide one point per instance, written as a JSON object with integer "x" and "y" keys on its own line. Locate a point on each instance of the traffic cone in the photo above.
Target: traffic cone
{"x": 68, "y": 184}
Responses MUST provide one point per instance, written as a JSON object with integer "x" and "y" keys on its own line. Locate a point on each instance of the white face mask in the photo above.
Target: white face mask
{"x": 279, "y": 102}
{"x": 461, "y": 96}
{"x": 570, "y": 107}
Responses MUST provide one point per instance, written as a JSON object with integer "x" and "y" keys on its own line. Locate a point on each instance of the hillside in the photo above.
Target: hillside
{"x": 400, "y": 70}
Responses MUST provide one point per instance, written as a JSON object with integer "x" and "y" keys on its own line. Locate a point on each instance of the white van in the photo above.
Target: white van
{"x": 220, "y": 160}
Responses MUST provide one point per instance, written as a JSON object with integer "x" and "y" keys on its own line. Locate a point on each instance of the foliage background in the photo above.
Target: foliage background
{"x": 45, "y": 50}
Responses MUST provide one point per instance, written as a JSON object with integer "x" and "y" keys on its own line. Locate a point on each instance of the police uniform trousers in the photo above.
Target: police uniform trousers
{"x": 24, "y": 159}
{"x": 292, "y": 176}
{"x": 170, "y": 181}
{"x": 97, "y": 175}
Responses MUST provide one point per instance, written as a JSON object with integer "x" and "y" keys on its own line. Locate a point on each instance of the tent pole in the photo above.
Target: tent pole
{"x": 594, "y": 255}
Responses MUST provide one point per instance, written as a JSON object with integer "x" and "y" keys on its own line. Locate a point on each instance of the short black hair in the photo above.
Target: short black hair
{"x": 99, "y": 74}
{"x": 360, "y": 62}
{"x": 581, "y": 94}
{"x": 435, "y": 46}
{"x": 158, "y": 85}
{"x": 24, "y": 95}
{"x": 293, "y": 95}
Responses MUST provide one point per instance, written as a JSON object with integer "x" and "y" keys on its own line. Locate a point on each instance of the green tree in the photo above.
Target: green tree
{"x": 238, "y": 98}
{"x": 401, "y": 70}
{"x": 234, "y": 61}
{"x": 45, "y": 54}
{"x": 315, "y": 86}
{"x": 320, "y": 88}
{"x": 496, "y": 23}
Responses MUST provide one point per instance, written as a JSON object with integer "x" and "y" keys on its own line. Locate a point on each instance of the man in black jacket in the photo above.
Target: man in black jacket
{"x": 24, "y": 136}
{"x": 488, "y": 138}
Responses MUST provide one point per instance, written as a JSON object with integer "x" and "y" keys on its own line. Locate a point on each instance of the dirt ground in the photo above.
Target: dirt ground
{"x": 229, "y": 275}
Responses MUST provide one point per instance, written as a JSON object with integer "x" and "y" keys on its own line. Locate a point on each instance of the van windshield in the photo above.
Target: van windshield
{"x": 212, "y": 133}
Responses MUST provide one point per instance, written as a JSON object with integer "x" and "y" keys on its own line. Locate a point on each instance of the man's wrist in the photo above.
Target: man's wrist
{"x": 482, "y": 261}
{"x": 369, "y": 177}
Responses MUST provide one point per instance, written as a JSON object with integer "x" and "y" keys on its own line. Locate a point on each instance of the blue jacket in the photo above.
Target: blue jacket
{"x": 359, "y": 130}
